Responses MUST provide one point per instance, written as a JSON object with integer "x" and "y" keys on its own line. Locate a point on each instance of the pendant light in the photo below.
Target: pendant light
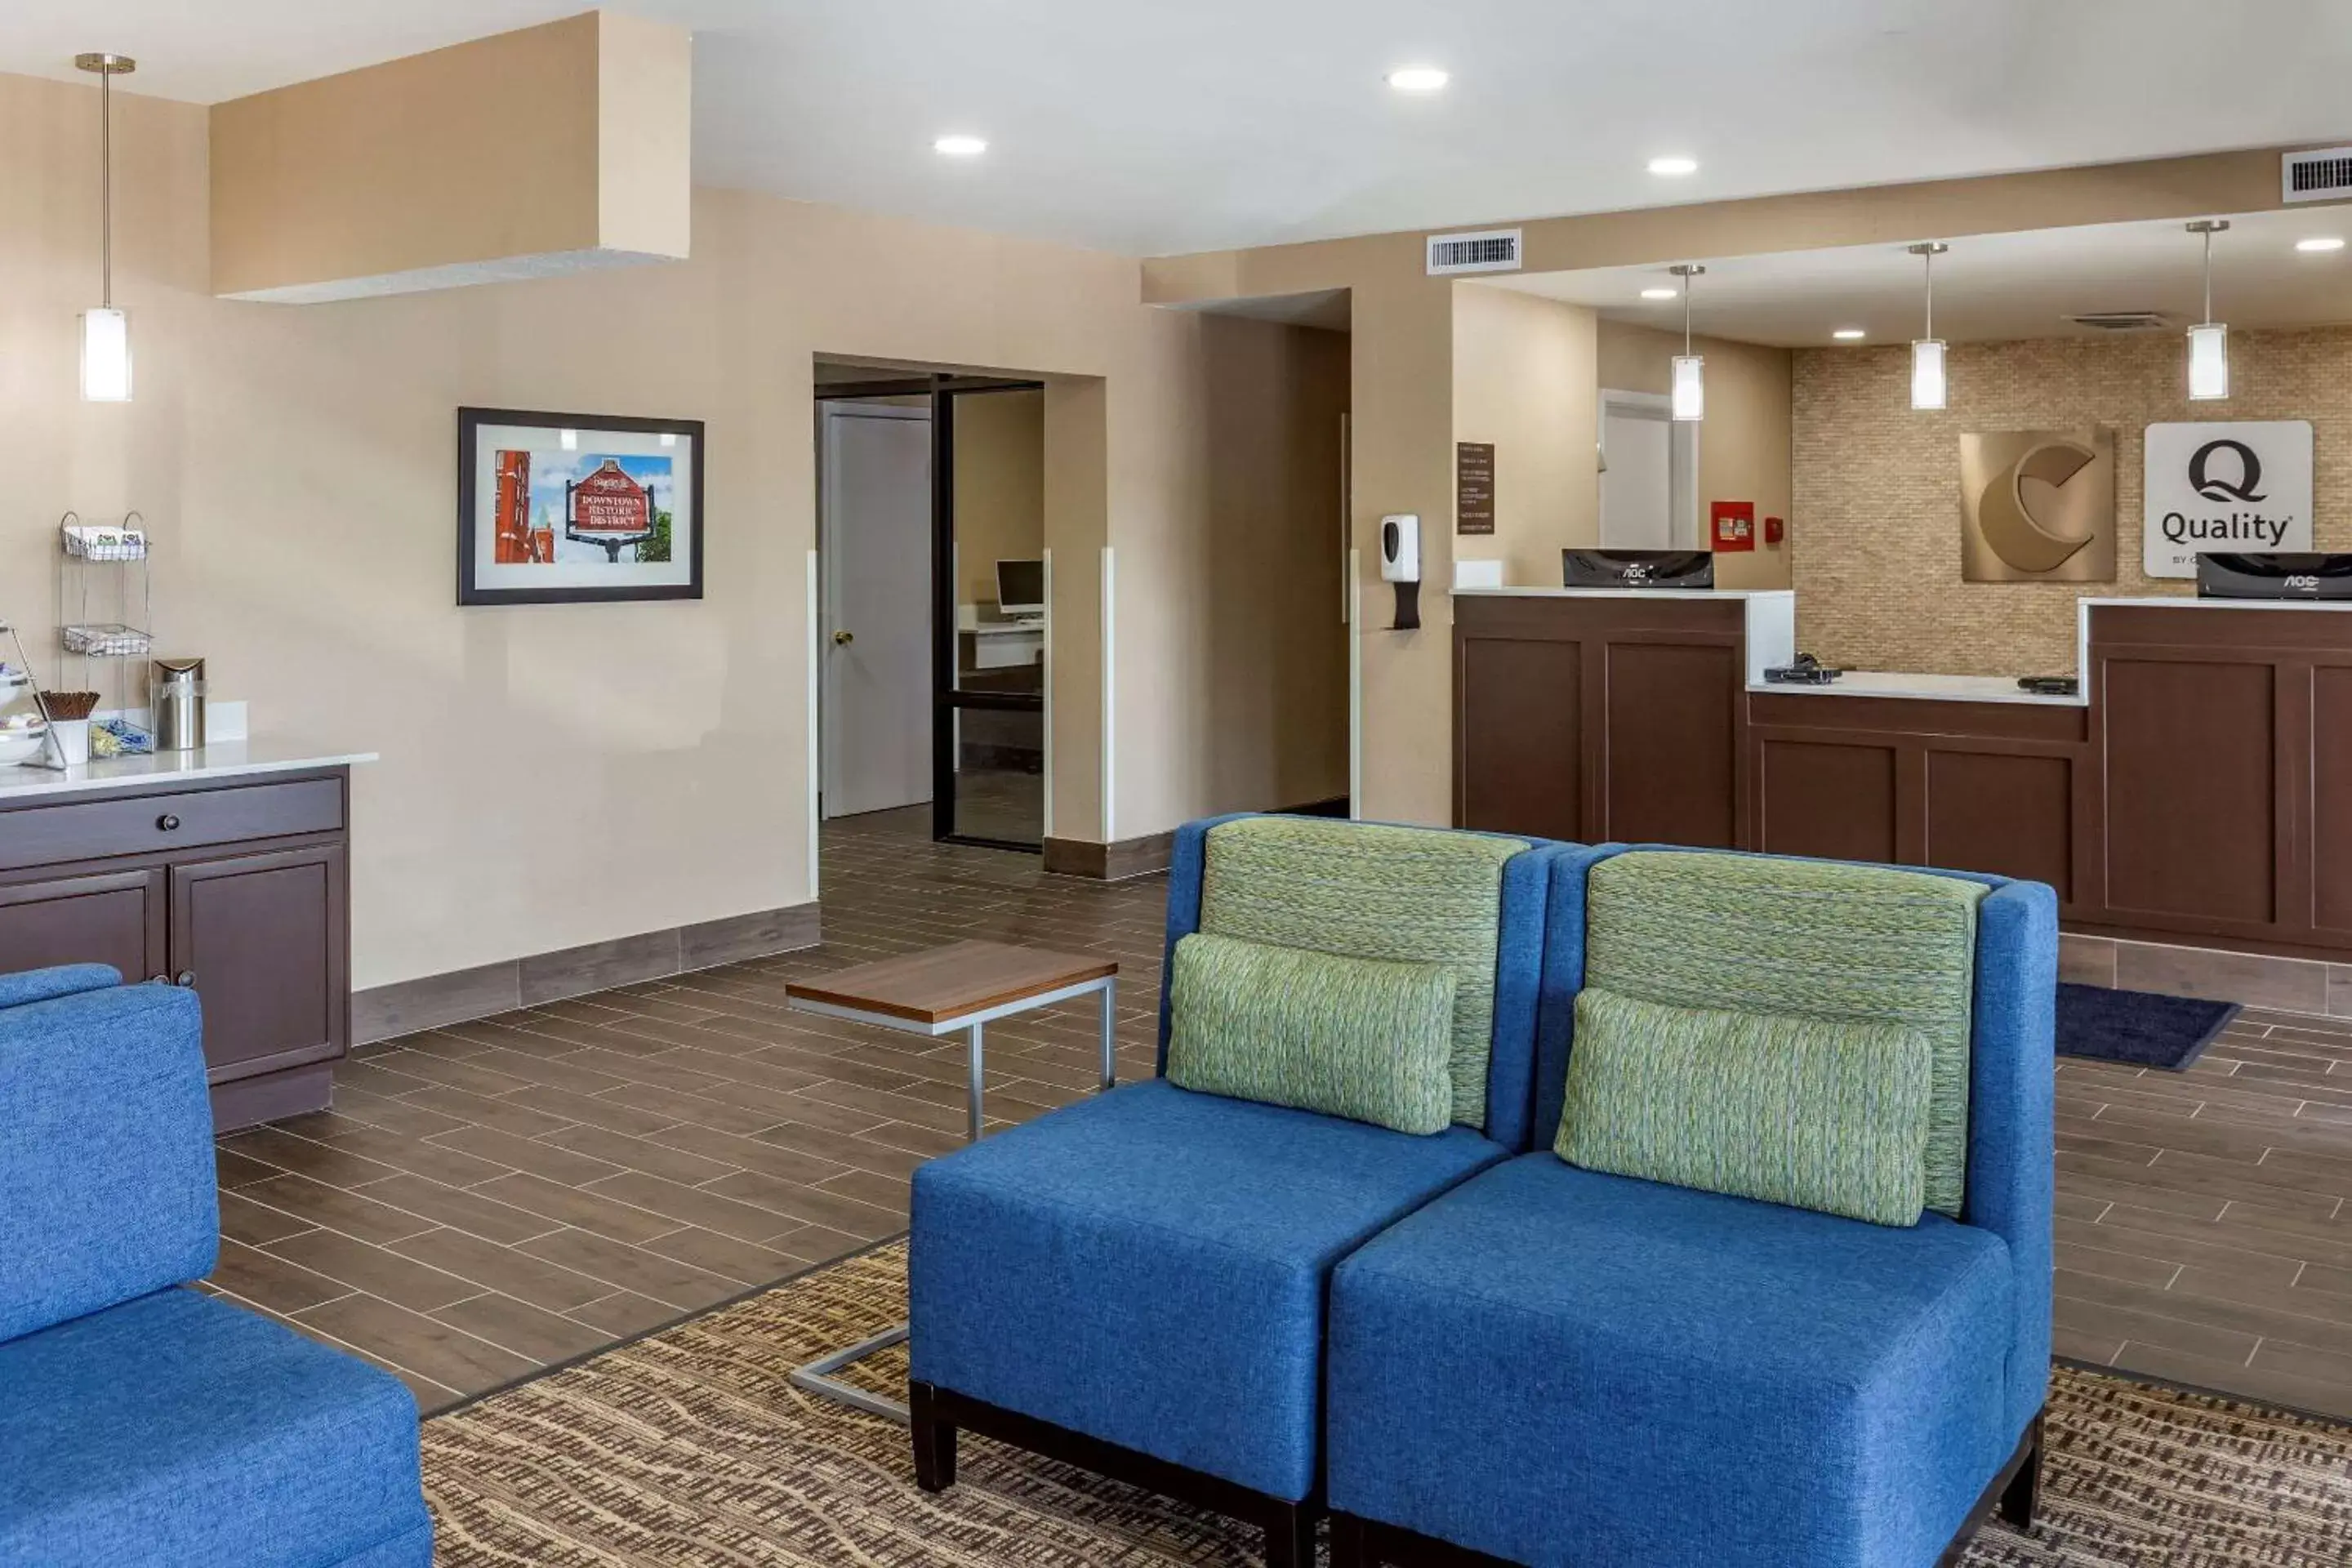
{"x": 106, "y": 331}
{"x": 1927, "y": 390}
{"x": 1689, "y": 384}
{"x": 2208, "y": 340}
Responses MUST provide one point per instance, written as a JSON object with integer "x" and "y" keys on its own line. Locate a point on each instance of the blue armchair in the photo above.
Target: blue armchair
{"x": 1554, "y": 1366}
{"x": 1136, "y": 1283}
{"x": 141, "y": 1421}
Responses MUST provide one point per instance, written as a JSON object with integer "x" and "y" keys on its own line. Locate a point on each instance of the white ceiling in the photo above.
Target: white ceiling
{"x": 1153, "y": 126}
{"x": 1993, "y": 287}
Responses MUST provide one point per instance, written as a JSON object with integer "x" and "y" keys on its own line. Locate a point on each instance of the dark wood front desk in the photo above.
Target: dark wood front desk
{"x": 2201, "y": 795}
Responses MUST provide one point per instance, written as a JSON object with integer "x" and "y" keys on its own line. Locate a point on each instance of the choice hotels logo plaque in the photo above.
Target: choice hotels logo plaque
{"x": 2235, "y": 485}
{"x": 2037, "y": 506}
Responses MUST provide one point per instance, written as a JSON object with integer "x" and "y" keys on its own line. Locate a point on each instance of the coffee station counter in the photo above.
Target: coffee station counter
{"x": 220, "y": 759}
{"x": 2195, "y": 788}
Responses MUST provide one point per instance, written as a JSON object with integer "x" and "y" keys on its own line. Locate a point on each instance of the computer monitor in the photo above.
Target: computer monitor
{"x": 1021, "y": 588}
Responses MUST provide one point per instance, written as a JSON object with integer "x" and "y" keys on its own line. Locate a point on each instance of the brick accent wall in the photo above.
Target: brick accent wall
{"x": 1875, "y": 535}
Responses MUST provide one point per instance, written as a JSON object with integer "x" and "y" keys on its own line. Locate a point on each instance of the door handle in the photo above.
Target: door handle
{"x": 843, "y": 639}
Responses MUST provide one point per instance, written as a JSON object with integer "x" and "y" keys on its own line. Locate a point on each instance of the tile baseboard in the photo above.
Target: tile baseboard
{"x": 2258, "y": 980}
{"x": 383, "y": 1012}
{"x": 1112, "y": 862}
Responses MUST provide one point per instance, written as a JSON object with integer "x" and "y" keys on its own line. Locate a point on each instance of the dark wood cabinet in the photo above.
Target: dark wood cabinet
{"x": 240, "y": 891}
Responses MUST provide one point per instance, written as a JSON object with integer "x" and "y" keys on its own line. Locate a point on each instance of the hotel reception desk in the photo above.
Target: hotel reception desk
{"x": 2197, "y": 793}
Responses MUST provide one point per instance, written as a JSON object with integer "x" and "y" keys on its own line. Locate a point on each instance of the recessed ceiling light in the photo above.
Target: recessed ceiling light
{"x": 2320, "y": 242}
{"x": 1418, "y": 79}
{"x": 1673, "y": 165}
{"x": 1661, "y": 293}
{"x": 1849, "y": 335}
{"x": 960, "y": 146}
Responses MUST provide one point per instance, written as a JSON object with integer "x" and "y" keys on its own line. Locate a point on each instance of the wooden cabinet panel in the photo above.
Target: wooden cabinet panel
{"x": 1521, "y": 759}
{"x": 262, "y": 939}
{"x": 2009, "y": 815}
{"x": 1671, "y": 751}
{"x": 2331, "y": 782}
{"x": 168, "y": 824}
{"x": 110, "y": 917}
{"x": 2193, "y": 794}
{"x": 1836, "y": 800}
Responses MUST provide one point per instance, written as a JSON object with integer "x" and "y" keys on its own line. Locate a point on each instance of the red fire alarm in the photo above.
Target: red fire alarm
{"x": 1735, "y": 524}
{"x": 1775, "y": 531}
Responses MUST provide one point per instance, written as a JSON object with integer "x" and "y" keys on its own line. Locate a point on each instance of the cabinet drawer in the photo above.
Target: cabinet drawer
{"x": 162, "y": 823}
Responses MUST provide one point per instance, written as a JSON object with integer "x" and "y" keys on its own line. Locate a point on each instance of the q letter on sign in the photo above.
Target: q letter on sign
{"x": 2238, "y": 486}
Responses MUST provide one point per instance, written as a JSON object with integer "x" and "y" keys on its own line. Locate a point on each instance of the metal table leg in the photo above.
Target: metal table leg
{"x": 818, "y": 1377}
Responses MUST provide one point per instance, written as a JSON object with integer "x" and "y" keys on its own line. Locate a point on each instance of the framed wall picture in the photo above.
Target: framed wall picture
{"x": 563, "y": 508}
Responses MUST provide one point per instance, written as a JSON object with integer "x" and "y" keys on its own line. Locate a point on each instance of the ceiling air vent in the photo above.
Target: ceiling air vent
{"x": 1488, "y": 250}
{"x": 2119, "y": 320}
{"x": 2324, "y": 175}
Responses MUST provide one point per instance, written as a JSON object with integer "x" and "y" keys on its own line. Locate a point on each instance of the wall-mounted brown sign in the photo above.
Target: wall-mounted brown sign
{"x": 1474, "y": 486}
{"x": 2037, "y": 506}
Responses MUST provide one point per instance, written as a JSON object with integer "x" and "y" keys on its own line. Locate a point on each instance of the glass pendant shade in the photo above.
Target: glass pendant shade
{"x": 1690, "y": 387}
{"x": 1927, "y": 373}
{"x": 2208, "y": 362}
{"x": 105, "y": 356}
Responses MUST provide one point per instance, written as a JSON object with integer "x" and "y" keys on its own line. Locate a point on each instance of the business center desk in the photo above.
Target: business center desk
{"x": 2199, "y": 792}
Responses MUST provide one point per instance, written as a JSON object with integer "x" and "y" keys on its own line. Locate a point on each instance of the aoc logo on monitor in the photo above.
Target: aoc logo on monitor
{"x": 2037, "y": 506}
{"x": 2239, "y": 485}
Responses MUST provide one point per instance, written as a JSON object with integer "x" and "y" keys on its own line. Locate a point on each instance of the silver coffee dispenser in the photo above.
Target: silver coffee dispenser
{"x": 177, "y": 697}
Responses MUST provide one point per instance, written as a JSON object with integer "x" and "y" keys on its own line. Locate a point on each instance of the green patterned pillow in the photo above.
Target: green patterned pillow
{"x": 1810, "y": 1112}
{"x": 1853, "y": 943}
{"x": 1357, "y": 1037}
{"x": 1408, "y": 895}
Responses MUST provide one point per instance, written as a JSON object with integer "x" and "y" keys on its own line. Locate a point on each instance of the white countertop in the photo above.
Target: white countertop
{"x": 221, "y": 760}
{"x": 1930, "y": 687}
{"x": 1624, "y": 592}
{"x": 2189, "y": 601}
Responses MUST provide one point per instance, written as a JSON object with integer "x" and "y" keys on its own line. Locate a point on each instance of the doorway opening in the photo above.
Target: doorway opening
{"x": 933, "y": 614}
{"x": 1649, "y": 474}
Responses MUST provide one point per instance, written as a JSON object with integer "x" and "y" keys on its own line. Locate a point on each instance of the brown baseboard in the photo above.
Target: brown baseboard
{"x": 2215, "y": 974}
{"x": 381, "y": 1012}
{"x": 1113, "y": 862}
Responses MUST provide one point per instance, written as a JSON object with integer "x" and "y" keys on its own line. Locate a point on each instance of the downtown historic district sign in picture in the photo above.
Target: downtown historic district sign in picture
{"x": 2235, "y": 485}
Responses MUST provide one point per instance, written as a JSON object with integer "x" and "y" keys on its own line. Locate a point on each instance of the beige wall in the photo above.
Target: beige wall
{"x": 1403, "y": 415}
{"x": 1743, "y": 444}
{"x": 1877, "y": 542}
{"x": 557, "y": 776}
{"x": 1524, "y": 379}
{"x": 1000, "y": 487}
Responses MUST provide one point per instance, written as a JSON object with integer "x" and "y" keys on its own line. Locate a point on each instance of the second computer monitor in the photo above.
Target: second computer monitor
{"x": 1021, "y": 588}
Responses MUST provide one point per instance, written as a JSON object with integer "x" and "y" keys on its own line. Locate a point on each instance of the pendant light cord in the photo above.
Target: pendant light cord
{"x": 1930, "y": 259}
{"x": 2209, "y": 280}
{"x": 106, "y": 190}
{"x": 1686, "y": 319}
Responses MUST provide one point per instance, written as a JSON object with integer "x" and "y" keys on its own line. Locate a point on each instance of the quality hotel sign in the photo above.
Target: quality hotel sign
{"x": 2241, "y": 485}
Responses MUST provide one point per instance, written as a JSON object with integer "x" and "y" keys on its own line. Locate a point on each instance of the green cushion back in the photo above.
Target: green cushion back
{"x": 1358, "y": 1037}
{"x": 1856, "y": 944}
{"x": 1407, "y": 895}
{"x": 1808, "y": 1111}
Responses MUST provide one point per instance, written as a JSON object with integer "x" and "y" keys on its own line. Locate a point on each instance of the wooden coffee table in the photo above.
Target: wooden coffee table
{"x": 958, "y": 989}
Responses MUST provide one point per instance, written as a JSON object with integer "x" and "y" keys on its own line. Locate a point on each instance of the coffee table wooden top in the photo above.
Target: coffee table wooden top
{"x": 951, "y": 982}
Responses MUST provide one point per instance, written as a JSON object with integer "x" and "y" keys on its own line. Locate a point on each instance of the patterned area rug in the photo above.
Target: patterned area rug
{"x": 691, "y": 1447}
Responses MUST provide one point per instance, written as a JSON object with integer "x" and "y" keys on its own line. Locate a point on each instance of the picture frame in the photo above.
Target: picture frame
{"x": 571, "y": 509}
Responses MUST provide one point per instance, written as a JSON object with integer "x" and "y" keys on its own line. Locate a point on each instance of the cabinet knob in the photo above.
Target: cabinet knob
{"x": 167, "y": 823}
{"x": 187, "y": 978}
{"x": 160, "y": 980}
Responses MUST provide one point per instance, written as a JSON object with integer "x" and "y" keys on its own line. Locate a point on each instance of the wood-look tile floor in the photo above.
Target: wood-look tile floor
{"x": 491, "y": 1198}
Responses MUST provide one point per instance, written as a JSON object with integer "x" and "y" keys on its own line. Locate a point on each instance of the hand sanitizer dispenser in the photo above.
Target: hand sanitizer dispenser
{"x": 1400, "y": 564}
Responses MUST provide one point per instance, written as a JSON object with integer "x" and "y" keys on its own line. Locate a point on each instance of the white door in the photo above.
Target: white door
{"x": 1634, "y": 510}
{"x": 875, "y": 517}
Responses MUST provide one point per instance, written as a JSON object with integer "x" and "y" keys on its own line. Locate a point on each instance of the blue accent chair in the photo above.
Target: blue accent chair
{"x": 1561, "y": 1368}
{"x": 1135, "y": 1283}
{"x": 141, "y": 1421}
